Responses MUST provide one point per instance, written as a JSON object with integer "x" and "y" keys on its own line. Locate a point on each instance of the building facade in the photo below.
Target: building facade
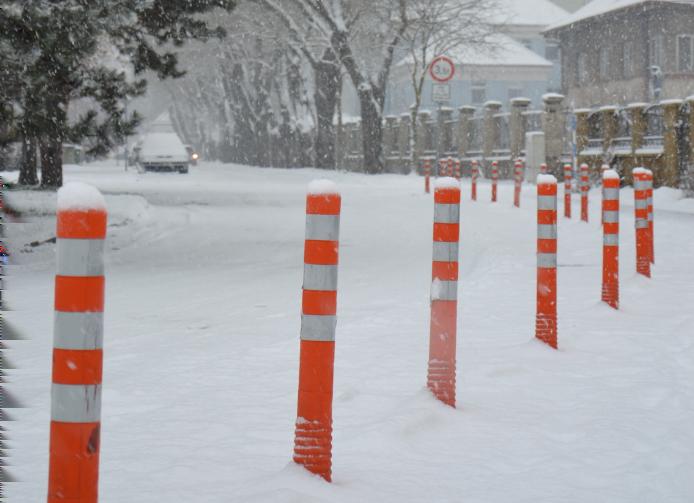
{"x": 626, "y": 51}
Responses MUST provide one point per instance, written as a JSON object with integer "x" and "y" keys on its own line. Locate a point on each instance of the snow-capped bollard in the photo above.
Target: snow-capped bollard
{"x": 651, "y": 229}
{"x": 495, "y": 179}
{"x": 458, "y": 172}
{"x": 313, "y": 435}
{"x": 568, "y": 175}
{"x": 546, "y": 318}
{"x": 518, "y": 182}
{"x": 475, "y": 174}
{"x": 643, "y": 246}
{"x": 610, "y": 239}
{"x": 73, "y": 472}
{"x": 543, "y": 169}
{"x": 585, "y": 187}
{"x": 427, "y": 176}
{"x": 444, "y": 291}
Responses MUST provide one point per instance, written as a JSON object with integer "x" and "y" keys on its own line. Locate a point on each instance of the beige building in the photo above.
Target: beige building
{"x": 616, "y": 52}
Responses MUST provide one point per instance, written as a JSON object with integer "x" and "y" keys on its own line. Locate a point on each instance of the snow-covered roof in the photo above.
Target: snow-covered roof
{"x": 529, "y": 13}
{"x": 600, "y": 7}
{"x": 504, "y": 51}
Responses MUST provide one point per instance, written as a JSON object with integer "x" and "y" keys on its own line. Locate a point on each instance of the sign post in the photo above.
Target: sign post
{"x": 441, "y": 71}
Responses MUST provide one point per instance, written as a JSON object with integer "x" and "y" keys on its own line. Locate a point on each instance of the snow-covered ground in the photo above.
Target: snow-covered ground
{"x": 204, "y": 275}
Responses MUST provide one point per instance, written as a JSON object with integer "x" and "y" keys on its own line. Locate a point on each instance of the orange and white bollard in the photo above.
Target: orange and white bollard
{"x": 427, "y": 176}
{"x": 313, "y": 436}
{"x": 442, "y": 168}
{"x": 543, "y": 169}
{"x": 444, "y": 291}
{"x": 546, "y": 317}
{"x": 495, "y": 180}
{"x": 643, "y": 246}
{"x": 585, "y": 187}
{"x": 475, "y": 175}
{"x": 457, "y": 173}
{"x": 449, "y": 164}
{"x": 73, "y": 471}
{"x": 568, "y": 175}
{"x": 650, "y": 217}
{"x": 610, "y": 239}
{"x": 518, "y": 182}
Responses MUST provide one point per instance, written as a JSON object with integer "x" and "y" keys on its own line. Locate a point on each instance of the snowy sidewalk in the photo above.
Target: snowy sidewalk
{"x": 201, "y": 341}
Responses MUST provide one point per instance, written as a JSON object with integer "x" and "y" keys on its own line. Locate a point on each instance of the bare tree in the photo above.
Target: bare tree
{"x": 438, "y": 28}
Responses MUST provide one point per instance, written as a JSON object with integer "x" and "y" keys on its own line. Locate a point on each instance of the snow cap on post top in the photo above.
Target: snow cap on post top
{"x": 640, "y": 171}
{"x": 447, "y": 182}
{"x": 323, "y": 198}
{"x": 543, "y": 179}
{"x": 610, "y": 174}
{"x": 81, "y": 212}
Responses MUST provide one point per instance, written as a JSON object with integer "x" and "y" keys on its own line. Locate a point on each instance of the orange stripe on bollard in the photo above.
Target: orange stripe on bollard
{"x": 457, "y": 173}
{"x": 643, "y": 247}
{"x": 546, "y": 315}
{"x": 313, "y": 427}
{"x": 475, "y": 174}
{"x": 444, "y": 291}
{"x": 449, "y": 163}
{"x": 518, "y": 182}
{"x": 651, "y": 226}
{"x": 610, "y": 245}
{"x": 73, "y": 471}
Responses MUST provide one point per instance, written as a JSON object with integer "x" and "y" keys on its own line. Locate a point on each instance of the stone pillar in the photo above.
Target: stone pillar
{"x": 609, "y": 125}
{"x": 638, "y": 132}
{"x": 517, "y": 127}
{"x": 669, "y": 175}
{"x": 423, "y": 125}
{"x": 404, "y": 143}
{"x": 443, "y": 118}
{"x": 491, "y": 130}
{"x": 582, "y": 129}
{"x": 688, "y": 182}
{"x": 464, "y": 115}
{"x": 554, "y": 127}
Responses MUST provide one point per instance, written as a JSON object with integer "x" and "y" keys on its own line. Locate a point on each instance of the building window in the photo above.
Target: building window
{"x": 627, "y": 60}
{"x": 479, "y": 92}
{"x": 582, "y": 69}
{"x": 514, "y": 92}
{"x": 604, "y": 58}
{"x": 685, "y": 53}
{"x": 552, "y": 52}
{"x": 655, "y": 51}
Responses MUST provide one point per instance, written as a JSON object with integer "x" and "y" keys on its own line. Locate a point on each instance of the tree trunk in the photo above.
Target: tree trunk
{"x": 27, "y": 167}
{"x": 327, "y": 76}
{"x": 372, "y": 133}
{"x": 51, "y": 163}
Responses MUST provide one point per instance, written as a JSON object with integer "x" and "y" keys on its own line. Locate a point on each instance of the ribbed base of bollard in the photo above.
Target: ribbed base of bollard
{"x": 610, "y": 295}
{"x": 313, "y": 447}
{"x": 441, "y": 381}
{"x": 546, "y": 330}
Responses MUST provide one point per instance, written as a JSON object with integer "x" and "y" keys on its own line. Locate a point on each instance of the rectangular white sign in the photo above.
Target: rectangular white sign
{"x": 441, "y": 93}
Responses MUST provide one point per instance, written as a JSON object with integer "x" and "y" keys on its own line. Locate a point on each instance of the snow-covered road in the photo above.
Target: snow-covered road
{"x": 204, "y": 276}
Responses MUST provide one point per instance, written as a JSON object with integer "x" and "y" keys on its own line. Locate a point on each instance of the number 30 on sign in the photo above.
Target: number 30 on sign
{"x": 442, "y": 69}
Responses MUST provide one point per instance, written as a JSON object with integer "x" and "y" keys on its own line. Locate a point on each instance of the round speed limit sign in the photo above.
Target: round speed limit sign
{"x": 442, "y": 69}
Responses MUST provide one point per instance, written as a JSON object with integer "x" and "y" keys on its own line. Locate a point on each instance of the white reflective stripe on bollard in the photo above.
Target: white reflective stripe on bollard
{"x": 445, "y": 251}
{"x": 322, "y": 227}
{"x": 546, "y": 203}
{"x": 78, "y": 330}
{"x": 446, "y": 213}
{"x": 611, "y": 217}
{"x": 444, "y": 290}
{"x": 76, "y": 403}
{"x": 547, "y": 260}
{"x": 320, "y": 277}
{"x": 318, "y": 327}
{"x": 546, "y": 231}
{"x": 80, "y": 257}
{"x": 610, "y": 240}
